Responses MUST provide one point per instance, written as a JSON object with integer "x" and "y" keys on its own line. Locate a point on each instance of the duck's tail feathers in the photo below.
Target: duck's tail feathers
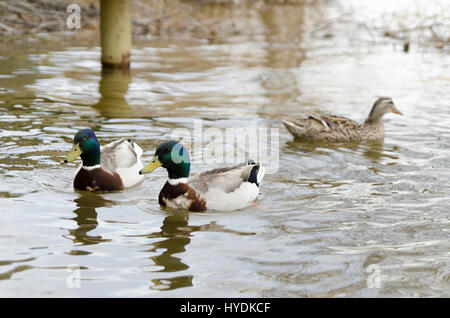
{"x": 257, "y": 172}
{"x": 138, "y": 150}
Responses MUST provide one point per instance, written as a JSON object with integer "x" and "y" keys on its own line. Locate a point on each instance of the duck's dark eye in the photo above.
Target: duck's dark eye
{"x": 85, "y": 138}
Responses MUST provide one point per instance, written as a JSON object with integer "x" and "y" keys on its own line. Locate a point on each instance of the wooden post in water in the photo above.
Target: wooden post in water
{"x": 115, "y": 28}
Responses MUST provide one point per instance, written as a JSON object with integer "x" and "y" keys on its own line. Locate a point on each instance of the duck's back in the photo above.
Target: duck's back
{"x": 123, "y": 156}
{"x": 325, "y": 128}
{"x": 229, "y": 188}
{"x": 122, "y": 153}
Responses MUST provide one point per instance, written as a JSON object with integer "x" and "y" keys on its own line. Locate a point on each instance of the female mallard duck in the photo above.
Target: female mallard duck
{"x": 223, "y": 189}
{"x": 335, "y": 128}
{"x": 114, "y": 166}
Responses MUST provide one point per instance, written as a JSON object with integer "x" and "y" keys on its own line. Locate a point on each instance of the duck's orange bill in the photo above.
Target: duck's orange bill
{"x": 396, "y": 111}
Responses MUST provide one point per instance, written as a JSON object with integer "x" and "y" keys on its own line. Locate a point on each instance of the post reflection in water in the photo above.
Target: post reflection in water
{"x": 113, "y": 86}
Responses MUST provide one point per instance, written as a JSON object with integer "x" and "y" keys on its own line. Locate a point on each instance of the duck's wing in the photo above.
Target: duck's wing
{"x": 227, "y": 179}
{"x": 325, "y": 122}
{"x": 333, "y": 122}
{"x": 122, "y": 153}
{"x": 316, "y": 127}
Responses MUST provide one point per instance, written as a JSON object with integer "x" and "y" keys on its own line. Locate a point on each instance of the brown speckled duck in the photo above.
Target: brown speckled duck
{"x": 335, "y": 128}
{"x": 223, "y": 189}
{"x": 114, "y": 166}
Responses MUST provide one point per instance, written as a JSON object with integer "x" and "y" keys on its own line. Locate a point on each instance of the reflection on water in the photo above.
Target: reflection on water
{"x": 176, "y": 232}
{"x": 330, "y": 212}
{"x": 113, "y": 88}
{"x": 176, "y": 235}
{"x": 374, "y": 150}
{"x": 86, "y": 218}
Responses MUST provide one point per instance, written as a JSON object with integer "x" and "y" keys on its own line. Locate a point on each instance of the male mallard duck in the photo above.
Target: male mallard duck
{"x": 221, "y": 189}
{"x": 335, "y": 128}
{"x": 114, "y": 166}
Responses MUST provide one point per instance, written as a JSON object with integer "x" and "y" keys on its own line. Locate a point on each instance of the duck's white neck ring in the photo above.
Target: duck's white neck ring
{"x": 91, "y": 167}
{"x": 177, "y": 181}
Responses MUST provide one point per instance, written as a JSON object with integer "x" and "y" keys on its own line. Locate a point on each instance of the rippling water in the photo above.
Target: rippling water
{"x": 352, "y": 220}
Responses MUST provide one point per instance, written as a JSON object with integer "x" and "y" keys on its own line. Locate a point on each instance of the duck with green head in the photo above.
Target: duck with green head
{"x": 335, "y": 128}
{"x": 114, "y": 166}
{"x": 223, "y": 189}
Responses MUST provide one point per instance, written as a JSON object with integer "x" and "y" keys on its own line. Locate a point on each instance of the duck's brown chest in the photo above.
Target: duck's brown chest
{"x": 181, "y": 196}
{"x": 97, "y": 179}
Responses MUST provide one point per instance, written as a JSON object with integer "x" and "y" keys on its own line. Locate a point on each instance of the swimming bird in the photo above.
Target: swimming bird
{"x": 335, "y": 128}
{"x": 114, "y": 166}
{"x": 222, "y": 189}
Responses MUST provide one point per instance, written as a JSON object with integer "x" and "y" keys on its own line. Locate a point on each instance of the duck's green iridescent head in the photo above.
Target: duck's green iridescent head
{"x": 85, "y": 145}
{"x": 172, "y": 156}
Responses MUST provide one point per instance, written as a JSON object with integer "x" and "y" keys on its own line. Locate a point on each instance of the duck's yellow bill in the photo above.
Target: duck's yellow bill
{"x": 155, "y": 163}
{"x": 73, "y": 154}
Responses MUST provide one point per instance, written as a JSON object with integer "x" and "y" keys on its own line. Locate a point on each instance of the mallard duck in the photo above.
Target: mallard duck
{"x": 222, "y": 189}
{"x": 335, "y": 128}
{"x": 114, "y": 166}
